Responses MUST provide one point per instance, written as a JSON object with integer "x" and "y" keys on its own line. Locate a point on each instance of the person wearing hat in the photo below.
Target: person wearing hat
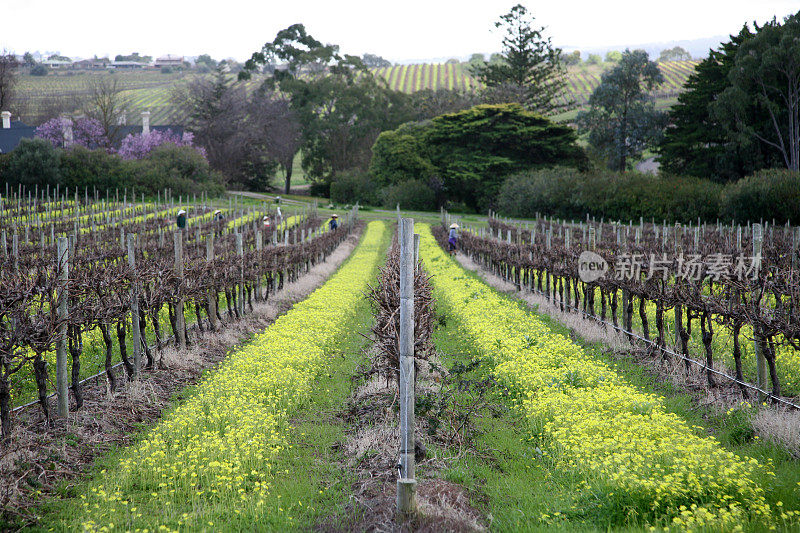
{"x": 334, "y": 222}
{"x": 266, "y": 223}
{"x": 217, "y": 215}
{"x": 452, "y": 239}
{"x": 181, "y": 221}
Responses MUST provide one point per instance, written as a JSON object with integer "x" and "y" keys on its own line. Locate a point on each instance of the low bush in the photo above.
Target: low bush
{"x": 33, "y": 162}
{"x": 767, "y": 194}
{"x": 414, "y": 195}
{"x": 180, "y": 168}
{"x": 354, "y": 186}
{"x": 565, "y": 193}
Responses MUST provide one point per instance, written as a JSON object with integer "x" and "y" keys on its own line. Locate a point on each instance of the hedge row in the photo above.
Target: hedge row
{"x": 565, "y": 193}
{"x": 36, "y": 162}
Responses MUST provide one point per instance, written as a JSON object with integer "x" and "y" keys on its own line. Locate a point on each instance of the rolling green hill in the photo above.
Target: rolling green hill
{"x": 151, "y": 90}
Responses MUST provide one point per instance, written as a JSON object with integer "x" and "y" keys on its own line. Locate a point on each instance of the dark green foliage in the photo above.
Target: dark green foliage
{"x": 39, "y": 70}
{"x": 465, "y": 156}
{"x": 529, "y": 67}
{"x": 414, "y": 195}
{"x": 340, "y": 137}
{"x": 182, "y": 169}
{"x": 33, "y": 162}
{"x": 354, "y": 186}
{"x": 81, "y": 167}
{"x": 401, "y": 154}
{"x": 622, "y": 120}
{"x": 698, "y": 142}
{"x": 341, "y": 112}
{"x": 767, "y": 194}
{"x": 766, "y": 73}
{"x": 565, "y": 193}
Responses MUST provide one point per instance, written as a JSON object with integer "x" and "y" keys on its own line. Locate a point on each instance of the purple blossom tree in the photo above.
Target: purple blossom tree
{"x": 139, "y": 146}
{"x": 86, "y": 132}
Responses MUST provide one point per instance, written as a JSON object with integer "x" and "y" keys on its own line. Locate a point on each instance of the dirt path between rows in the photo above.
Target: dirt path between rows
{"x": 39, "y": 461}
{"x": 370, "y": 449}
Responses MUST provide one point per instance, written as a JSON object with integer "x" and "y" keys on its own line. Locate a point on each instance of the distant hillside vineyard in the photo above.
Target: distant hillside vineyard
{"x": 580, "y": 82}
{"x": 150, "y": 90}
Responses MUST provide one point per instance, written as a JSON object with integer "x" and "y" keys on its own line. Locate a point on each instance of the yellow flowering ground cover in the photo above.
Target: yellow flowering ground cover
{"x": 209, "y": 461}
{"x": 646, "y": 462}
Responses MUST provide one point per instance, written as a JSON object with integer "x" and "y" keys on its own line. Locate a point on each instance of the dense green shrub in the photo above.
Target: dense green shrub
{"x": 39, "y": 70}
{"x": 414, "y": 195}
{"x": 767, "y": 194}
{"x": 33, "y": 162}
{"x": 400, "y": 155}
{"x": 182, "y": 169}
{"x": 354, "y": 186}
{"x": 565, "y": 193}
{"x": 81, "y": 167}
{"x": 465, "y": 156}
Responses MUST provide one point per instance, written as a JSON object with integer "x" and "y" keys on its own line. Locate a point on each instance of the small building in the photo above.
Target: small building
{"x": 57, "y": 64}
{"x": 169, "y": 60}
{"x": 12, "y": 132}
{"x": 90, "y": 64}
{"x": 127, "y": 65}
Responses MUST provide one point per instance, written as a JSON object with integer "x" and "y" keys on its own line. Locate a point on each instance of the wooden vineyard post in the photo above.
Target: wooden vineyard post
{"x": 761, "y": 362}
{"x": 406, "y": 484}
{"x": 259, "y": 246}
{"x": 240, "y": 253}
{"x": 180, "y": 321}
{"x": 212, "y": 299}
{"x": 61, "y": 346}
{"x": 135, "y": 326}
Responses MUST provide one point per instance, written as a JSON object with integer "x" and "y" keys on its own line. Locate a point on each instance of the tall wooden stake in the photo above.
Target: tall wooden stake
{"x": 406, "y": 485}
{"x": 761, "y": 362}
{"x": 136, "y": 332}
{"x": 180, "y": 321}
{"x": 61, "y": 346}
{"x": 212, "y": 300}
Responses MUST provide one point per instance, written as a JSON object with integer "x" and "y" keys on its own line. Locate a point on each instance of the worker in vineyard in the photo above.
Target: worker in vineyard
{"x": 334, "y": 222}
{"x": 217, "y": 216}
{"x": 452, "y": 239}
{"x": 266, "y": 223}
{"x": 181, "y": 221}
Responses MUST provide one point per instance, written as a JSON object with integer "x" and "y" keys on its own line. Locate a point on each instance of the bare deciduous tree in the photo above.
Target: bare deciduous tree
{"x": 276, "y": 128}
{"x": 106, "y": 103}
{"x": 214, "y": 110}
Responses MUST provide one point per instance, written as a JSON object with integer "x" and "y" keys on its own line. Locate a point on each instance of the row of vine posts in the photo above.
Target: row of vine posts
{"x": 112, "y": 269}
{"x": 736, "y": 277}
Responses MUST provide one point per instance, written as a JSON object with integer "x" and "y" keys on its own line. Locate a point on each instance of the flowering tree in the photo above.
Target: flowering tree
{"x": 139, "y": 146}
{"x": 86, "y": 132}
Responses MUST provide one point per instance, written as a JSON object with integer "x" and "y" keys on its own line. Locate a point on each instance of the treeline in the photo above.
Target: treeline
{"x": 36, "y": 162}
{"x": 565, "y": 193}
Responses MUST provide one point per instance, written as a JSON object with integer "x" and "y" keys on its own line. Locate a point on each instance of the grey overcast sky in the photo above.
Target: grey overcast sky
{"x": 400, "y": 30}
